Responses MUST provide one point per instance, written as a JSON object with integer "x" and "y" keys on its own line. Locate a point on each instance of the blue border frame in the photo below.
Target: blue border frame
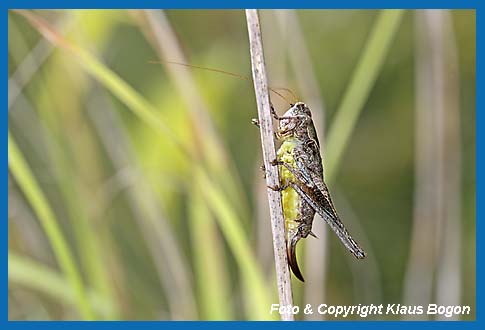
{"x": 411, "y": 4}
{"x": 370, "y": 4}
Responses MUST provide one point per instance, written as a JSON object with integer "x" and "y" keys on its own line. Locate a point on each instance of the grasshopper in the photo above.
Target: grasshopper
{"x": 303, "y": 189}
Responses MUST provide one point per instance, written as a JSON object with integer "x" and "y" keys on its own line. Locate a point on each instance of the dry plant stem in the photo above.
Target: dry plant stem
{"x": 277, "y": 74}
{"x": 418, "y": 281}
{"x": 448, "y": 278}
{"x": 171, "y": 266}
{"x": 433, "y": 265}
{"x": 269, "y": 154}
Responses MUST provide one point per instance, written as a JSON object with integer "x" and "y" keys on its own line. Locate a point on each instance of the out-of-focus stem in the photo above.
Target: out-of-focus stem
{"x": 164, "y": 40}
{"x": 448, "y": 284}
{"x": 33, "y": 61}
{"x": 173, "y": 271}
{"x": 435, "y": 245}
{"x": 362, "y": 81}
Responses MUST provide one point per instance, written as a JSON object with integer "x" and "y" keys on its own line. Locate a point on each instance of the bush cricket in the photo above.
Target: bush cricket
{"x": 302, "y": 186}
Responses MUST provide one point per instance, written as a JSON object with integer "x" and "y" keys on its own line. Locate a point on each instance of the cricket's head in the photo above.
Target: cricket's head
{"x": 295, "y": 120}
{"x": 293, "y": 237}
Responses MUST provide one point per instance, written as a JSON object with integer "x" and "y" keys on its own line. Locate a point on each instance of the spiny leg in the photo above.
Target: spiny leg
{"x": 302, "y": 221}
{"x": 255, "y": 121}
{"x": 273, "y": 112}
{"x": 279, "y": 188}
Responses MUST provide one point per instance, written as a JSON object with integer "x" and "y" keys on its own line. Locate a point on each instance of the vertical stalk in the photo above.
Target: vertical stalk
{"x": 360, "y": 85}
{"x": 433, "y": 271}
{"x": 269, "y": 154}
{"x": 449, "y": 272}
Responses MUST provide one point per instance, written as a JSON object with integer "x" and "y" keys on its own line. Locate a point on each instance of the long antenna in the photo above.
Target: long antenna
{"x": 229, "y": 74}
{"x": 289, "y": 91}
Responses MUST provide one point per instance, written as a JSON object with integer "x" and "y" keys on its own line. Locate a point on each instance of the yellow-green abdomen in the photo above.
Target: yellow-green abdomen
{"x": 290, "y": 198}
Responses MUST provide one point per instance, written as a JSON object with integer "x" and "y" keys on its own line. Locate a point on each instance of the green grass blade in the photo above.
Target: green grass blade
{"x": 123, "y": 91}
{"x": 75, "y": 170}
{"x": 257, "y": 292}
{"x": 33, "y": 275}
{"x": 361, "y": 83}
{"x": 25, "y": 180}
{"x": 210, "y": 266}
{"x": 258, "y": 297}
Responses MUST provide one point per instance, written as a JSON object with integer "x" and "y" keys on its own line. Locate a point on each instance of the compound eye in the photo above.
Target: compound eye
{"x": 307, "y": 111}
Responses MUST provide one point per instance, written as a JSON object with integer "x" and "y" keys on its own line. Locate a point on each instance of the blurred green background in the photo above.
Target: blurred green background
{"x": 135, "y": 190}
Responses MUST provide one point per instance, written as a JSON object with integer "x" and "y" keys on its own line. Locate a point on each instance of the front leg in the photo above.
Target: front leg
{"x": 255, "y": 122}
{"x": 276, "y": 162}
{"x": 273, "y": 112}
{"x": 279, "y": 188}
